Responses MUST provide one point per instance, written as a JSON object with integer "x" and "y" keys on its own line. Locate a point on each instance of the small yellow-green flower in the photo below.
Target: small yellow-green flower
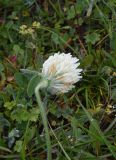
{"x": 109, "y": 109}
{"x": 30, "y": 30}
{"x": 22, "y": 27}
{"x": 24, "y": 30}
{"x": 114, "y": 74}
{"x": 36, "y": 24}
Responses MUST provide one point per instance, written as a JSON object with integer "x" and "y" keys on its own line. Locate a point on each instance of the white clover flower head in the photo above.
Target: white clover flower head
{"x": 62, "y": 72}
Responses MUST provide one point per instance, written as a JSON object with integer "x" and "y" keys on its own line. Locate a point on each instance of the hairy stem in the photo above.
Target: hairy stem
{"x": 41, "y": 85}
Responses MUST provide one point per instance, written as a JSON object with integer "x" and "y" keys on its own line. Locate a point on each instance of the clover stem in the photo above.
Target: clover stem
{"x": 44, "y": 84}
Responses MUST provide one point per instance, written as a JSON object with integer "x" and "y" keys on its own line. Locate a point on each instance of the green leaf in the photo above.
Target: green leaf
{"x": 113, "y": 42}
{"x": 55, "y": 38}
{"x": 17, "y": 49}
{"x": 80, "y": 21}
{"x": 80, "y": 6}
{"x": 92, "y": 38}
{"x": 87, "y": 60}
{"x": 3, "y": 122}
{"x": 20, "y": 79}
{"x": 10, "y": 105}
{"x": 71, "y": 13}
{"x": 18, "y": 146}
{"x": 20, "y": 114}
{"x": 113, "y": 94}
{"x": 30, "y": 134}
{"x": 34, "y": 112}
{"x": 111, "y": 58}
{"x": 76, "y": 131}
{"x": 32, "y": 84}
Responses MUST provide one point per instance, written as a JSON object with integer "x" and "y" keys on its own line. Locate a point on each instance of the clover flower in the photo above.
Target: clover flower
{"x": 62, "y": 72}
{"x": 59, "y": 74}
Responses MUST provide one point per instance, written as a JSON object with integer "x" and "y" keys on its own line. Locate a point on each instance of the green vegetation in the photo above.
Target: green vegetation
{"x": 81, "y": 122}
